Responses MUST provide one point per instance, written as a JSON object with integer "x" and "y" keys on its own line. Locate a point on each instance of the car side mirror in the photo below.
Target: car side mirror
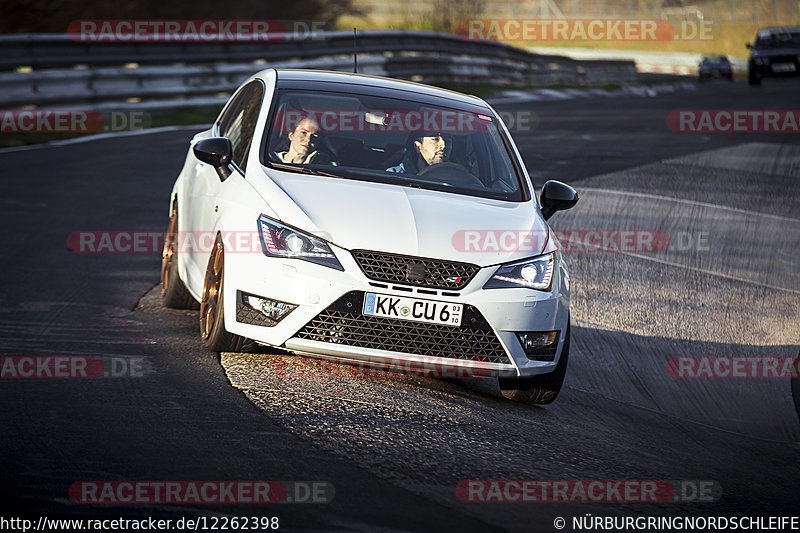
{"x": 748, "y": 45}
{"x": 215, "y": 151}
{"x": 557, "y": 196}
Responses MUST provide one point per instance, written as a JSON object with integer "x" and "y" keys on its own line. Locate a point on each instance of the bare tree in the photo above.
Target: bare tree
{"x": 446, "y": 14}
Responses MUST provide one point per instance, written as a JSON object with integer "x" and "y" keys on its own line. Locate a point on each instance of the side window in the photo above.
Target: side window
{"x": 238, "y": 122}
{"x": 229, "y": 114}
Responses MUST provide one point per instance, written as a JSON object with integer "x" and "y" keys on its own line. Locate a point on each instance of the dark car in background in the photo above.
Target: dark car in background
{"x": 712, "y": 67}
{"x": 775, "y": 53}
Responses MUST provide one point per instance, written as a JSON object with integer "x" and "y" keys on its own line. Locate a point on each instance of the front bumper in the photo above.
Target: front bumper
{"x": 775, "y": 66}
{"x": 328, "y": 320}
{"x": 715, "y": 73}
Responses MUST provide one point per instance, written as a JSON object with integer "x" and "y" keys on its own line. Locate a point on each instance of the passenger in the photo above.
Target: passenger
{"x": 428, "y": 149}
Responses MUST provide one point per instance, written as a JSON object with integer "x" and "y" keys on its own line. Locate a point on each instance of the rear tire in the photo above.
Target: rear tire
{"x": 541, "y": 389}
{"x": 212, "y": 313}
{"x": 174, "y": 293}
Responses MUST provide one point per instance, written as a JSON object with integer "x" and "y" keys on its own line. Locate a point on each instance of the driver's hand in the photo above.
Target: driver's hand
{"x": 309, "y": 157}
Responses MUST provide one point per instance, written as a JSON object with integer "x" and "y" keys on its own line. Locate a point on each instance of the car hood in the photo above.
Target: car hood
{"x": 360, "y": 215}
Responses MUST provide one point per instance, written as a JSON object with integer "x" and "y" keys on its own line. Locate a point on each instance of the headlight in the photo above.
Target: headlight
{"x": 278, "y": 240}
{"x": 534, "y": 273}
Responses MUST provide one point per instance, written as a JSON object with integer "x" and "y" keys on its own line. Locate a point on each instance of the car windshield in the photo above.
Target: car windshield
{"x": 777, "y": 40}
{"x": 393, "y": 141}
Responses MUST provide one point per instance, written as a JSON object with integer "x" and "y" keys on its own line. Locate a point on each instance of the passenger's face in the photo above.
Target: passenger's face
{"x": 304, "y": 137}
{"x": 431, "y": 149}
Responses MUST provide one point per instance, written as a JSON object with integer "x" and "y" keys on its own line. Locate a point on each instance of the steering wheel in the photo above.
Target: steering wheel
{"x": 454, "y": 172}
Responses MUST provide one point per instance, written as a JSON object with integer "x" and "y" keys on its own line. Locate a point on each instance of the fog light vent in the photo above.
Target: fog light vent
{"x": 539, "y": 345}
{"x": 259, "y": 311}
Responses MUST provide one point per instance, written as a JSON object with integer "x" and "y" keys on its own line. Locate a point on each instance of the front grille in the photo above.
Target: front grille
{"x": 422, "y": 271}
{"x": 791, "y": 58}
{"x": 782, "y": 60}
{"x": 343, "y": 323}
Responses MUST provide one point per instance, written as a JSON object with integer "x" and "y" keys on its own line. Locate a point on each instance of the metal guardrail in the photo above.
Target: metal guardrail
{"x": 60, "y": 71}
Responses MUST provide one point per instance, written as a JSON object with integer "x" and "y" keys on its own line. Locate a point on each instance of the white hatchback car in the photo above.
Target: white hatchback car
{"x": 371, "y": 220}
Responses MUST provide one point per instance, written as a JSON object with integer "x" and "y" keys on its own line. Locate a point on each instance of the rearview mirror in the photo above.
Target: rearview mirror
{"x": 557, "y": 196}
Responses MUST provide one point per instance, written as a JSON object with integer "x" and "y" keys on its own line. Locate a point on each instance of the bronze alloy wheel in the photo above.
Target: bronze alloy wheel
{"x": 168, "y": 253}
{"x": 211, "y": 303}
{"x": 174, "y": 293}
{"x": 212, "y": 311}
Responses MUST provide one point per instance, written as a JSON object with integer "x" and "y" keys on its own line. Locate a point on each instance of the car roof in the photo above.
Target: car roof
{"x": 371, "y": 84}
{"x": 779, "y": 29}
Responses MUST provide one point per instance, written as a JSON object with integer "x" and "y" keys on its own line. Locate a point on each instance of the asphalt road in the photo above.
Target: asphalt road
{"x": 395, "y": 447}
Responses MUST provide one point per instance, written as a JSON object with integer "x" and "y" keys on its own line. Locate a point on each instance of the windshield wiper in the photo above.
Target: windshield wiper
{"x": 304, "y": 170}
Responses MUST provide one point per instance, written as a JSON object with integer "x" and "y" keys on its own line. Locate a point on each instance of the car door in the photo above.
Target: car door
{"x": 236, "y": 122}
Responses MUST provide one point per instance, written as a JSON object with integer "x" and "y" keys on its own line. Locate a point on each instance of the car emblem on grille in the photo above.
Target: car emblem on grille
{"x": 415, "y": 271}
{"x": 453, "y": 279}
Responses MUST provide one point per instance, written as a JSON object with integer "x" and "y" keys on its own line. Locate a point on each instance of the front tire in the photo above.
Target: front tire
{"x": 174, "y": 293}
{"x": 752, "y": 77}
{"x": 212, "y": 316}
{"x": 541, "y": 389}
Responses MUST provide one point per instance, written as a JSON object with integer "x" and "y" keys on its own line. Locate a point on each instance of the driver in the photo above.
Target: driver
{"x": 429, "y": 151}
{"x": 302, "y": 144}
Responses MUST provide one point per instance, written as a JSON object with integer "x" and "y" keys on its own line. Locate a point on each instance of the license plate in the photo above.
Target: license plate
{"x": 413, "y": 309}
{"x": 783, "y": 67}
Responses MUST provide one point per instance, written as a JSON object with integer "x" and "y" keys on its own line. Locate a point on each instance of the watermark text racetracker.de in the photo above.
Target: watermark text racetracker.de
{"x": 200, "y": 492}
{"x": 586, "y": 30}
{"x": 587, "y": 491}
{"x": 579, "y": 240}
{"x": 734, "y": 367}
{"x": 150, "y": 242}
{"x": 734, "y": 121}
{"x": 413, "y": 367}
{"x": 441, "y": 121}
{"x": 72, "y": 121}
{"x": 73, "y": 367}
{"x": 193, "y": 31}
